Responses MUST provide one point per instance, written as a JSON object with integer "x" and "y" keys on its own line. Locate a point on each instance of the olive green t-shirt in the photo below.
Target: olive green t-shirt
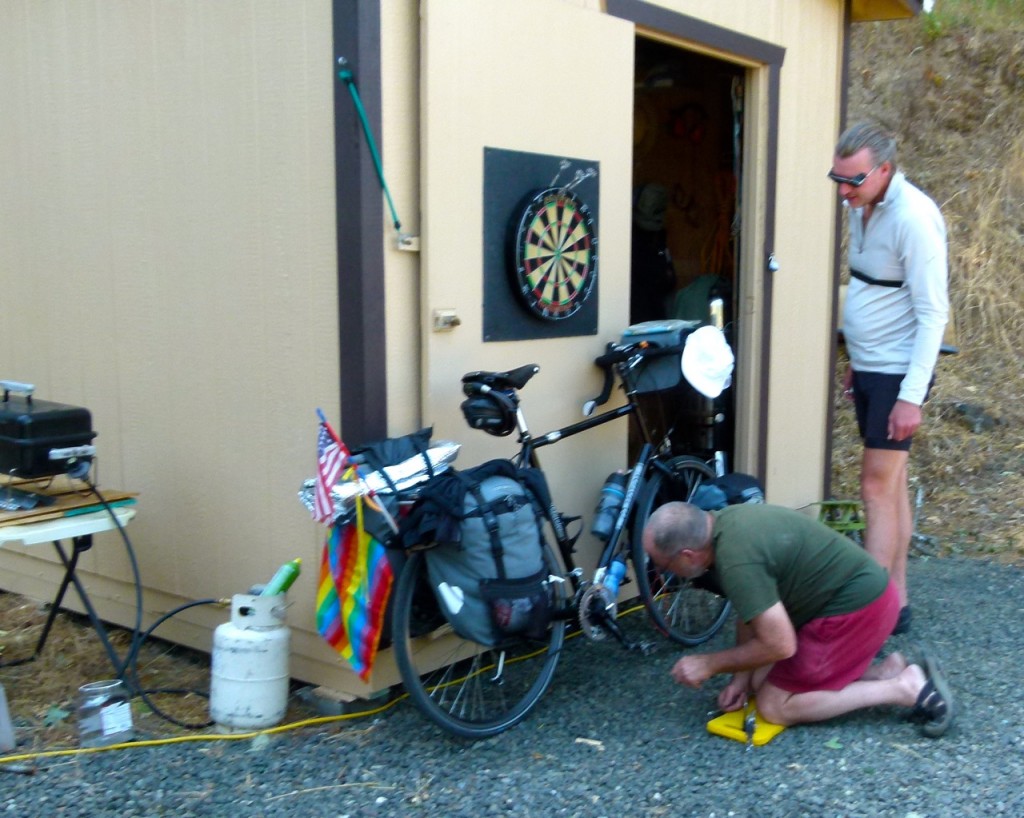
{"x": 766, "y": 554}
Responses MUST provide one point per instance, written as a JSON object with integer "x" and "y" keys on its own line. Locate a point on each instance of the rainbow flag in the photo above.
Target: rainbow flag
{"x": 355, "y": 583}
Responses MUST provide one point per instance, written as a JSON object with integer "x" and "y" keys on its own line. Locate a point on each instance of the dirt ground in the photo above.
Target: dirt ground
{"x": 953, "y": 96}
{"x": 41, "y": 694}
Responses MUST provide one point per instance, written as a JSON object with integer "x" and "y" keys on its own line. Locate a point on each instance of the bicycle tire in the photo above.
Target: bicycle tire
{"x": 680, "y": 609}
{"x": 449, "y": 678}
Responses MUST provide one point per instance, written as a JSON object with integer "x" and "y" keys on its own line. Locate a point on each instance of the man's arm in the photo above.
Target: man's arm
{"x": 735, "y": 694}
{"x": 923, "y": 253}
{"x": 769, "y": 637}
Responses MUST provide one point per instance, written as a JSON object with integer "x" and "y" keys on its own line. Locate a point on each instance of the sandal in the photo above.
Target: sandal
{"x": 934, "y": 705}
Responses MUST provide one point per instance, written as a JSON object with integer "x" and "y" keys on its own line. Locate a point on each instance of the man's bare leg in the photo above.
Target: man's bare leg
{"x": 890, "y": 667}
{"x": 886, "y": 498}
{"x": 781, "y": 707}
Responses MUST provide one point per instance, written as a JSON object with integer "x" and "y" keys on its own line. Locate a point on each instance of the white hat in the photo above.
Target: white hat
{"x": 707, "y": 361}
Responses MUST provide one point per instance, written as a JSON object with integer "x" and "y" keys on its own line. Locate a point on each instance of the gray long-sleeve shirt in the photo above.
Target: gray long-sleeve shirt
{"x": 897, "y": 304}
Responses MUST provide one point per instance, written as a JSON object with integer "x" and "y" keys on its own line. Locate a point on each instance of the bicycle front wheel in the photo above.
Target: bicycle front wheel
{"x": 680, "y": 608}
{"x": 468, "y": 689}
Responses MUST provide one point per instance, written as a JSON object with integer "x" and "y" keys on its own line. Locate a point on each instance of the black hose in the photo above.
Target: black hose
{"x": 131, "y": 665}
{"x": 129, "y": 671}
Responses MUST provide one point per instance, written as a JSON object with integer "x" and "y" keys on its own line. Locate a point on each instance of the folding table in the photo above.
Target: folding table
{"x": 78, "y": 525}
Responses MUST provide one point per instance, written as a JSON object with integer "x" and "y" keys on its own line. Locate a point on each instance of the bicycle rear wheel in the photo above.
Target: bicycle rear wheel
{"x": 680, "y": 608}
{"x": 468, "y": 689}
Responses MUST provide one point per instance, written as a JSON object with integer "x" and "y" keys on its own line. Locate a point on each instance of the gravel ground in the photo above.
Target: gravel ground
{"x": 647, "y": 751}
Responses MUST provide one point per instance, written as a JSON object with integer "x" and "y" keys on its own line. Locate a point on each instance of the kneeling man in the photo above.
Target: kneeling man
{"x": 813, "y": 609}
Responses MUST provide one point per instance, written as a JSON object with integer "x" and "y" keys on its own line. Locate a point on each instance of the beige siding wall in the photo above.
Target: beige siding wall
{"x": 167, "y": 259}
{"x": 805, "y": 227}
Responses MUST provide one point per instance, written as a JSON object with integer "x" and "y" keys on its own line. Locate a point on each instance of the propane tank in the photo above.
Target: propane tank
{"x": 249, "y": 670}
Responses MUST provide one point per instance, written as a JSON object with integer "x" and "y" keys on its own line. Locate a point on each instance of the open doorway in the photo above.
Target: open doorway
{"x": 686, "y": 235}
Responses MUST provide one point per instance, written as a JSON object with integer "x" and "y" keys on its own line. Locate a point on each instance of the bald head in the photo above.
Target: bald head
{"x": 675, "y": 527}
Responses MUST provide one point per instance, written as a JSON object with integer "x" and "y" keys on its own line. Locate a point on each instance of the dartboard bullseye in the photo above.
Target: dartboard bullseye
{"x": 555, "y": 265}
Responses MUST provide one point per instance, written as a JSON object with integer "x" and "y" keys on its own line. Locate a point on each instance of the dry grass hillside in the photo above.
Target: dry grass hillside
{"x": 951, "y": 85}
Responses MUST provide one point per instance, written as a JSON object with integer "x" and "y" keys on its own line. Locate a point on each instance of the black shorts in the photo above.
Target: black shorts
{"x": 874, "y": 395}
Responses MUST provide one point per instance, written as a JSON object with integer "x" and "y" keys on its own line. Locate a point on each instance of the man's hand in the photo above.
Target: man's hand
{"x": 735, "y": 694}
{"x": 692, "y": 671}
{"x": 766, "y": 639}
{"x": 903, "y": 420}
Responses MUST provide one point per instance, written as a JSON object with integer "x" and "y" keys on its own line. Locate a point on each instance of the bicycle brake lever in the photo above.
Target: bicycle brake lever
{"x": 606, "y": 389}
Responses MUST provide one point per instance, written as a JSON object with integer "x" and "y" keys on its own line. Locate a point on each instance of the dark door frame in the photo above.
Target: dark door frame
{"x": 362, "y": 379}
{"x": 770, "y": 56}
{"x": 833, "y": 356}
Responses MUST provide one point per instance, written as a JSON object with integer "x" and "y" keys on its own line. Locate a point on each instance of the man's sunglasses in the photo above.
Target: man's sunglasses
{"x": 852, "y": 181}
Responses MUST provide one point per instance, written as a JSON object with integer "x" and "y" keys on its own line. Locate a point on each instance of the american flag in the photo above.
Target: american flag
{"x": 330, "y": 461}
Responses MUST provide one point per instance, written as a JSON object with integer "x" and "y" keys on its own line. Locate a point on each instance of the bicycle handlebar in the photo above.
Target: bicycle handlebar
{"x": 616, "y": 354}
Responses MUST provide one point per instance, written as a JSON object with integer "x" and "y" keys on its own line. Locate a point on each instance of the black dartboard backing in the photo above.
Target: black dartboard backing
{"x": 513, "y": 180}
{"x": 554, "y": 265}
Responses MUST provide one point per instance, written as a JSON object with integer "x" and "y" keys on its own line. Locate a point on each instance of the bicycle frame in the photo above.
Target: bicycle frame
{"x": 443, "y": 670}
{"x": 648, "y": 455}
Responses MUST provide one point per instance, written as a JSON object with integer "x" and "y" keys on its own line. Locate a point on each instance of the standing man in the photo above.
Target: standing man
{"x": 813, "y": 609}
{"x": 893, "y": 321}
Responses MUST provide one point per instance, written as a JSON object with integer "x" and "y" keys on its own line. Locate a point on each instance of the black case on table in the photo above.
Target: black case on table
{"x": 31, "y": 428}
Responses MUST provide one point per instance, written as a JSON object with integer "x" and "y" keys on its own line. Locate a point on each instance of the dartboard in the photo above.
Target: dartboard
{"x": 555, "y": 264}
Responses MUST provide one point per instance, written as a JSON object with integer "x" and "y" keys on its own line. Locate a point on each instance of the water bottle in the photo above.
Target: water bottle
{"x": 283, "y": 578}
{"x": 613, "y": 492}
{"x": 612, "y": 579}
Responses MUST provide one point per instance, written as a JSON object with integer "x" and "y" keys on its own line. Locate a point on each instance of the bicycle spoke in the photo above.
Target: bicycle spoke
{"x": 470, "y": 690}
{"x": 678, "y": 608}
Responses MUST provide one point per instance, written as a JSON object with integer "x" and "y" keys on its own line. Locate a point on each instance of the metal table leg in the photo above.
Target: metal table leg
{"x": 80, "y": 546}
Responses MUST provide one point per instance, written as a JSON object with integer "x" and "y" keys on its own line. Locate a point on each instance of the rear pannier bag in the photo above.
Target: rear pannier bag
{"x": 490, "y": 578}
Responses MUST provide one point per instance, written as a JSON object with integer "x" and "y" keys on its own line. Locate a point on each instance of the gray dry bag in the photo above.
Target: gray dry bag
{"x": 492, "y": 583}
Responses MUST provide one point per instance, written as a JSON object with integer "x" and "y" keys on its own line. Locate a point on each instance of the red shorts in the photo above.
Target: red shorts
{"x": 833, "y": 651}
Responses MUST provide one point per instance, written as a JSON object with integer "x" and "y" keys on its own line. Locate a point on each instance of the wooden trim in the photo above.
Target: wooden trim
{"x": 833, "y": 355}
{"x": 771, "y": 186}
{"x": 362, "y": 378}
{"x": 699, "y": 31}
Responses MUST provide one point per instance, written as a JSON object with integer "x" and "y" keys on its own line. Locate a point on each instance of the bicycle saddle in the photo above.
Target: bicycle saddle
{"x": 513, "y": 379}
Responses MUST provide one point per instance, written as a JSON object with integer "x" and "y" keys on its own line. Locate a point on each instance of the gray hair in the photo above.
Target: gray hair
{"x": 880, "y": 142}
{"x": 677, "y": 526}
